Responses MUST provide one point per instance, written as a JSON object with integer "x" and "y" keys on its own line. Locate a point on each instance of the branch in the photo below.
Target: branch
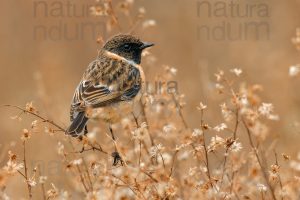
{"x": 44, "y": 119}
{"x": 38, "y": 116}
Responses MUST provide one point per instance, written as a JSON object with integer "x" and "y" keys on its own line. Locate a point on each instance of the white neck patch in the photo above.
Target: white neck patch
{"x": 118, "y": 57}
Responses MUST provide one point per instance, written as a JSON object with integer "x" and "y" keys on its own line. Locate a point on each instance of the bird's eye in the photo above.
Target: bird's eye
{"x": 127, "y": 47}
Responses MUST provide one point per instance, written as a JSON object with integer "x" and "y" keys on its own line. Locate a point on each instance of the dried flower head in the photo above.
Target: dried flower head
{"x": 236, "y": 71}
{"x": 140, "y": 132}
{"x": 29, "y": 107}
{"x": 197, "y": 133}
{"x": 169, "y": 128}
{"x": 220, "y": 127}
{"x": 12, "y": 166}
{"x": 43, "y": 179}
{"x": 201, "y": 106}
{"x": 155, "y": 150}
{"x": 215, "y": 142}
{"x": 26, "y": 135}
{"x": 294, "y": 70}
{"x": 261, "y": 187}
{"x": 149, "y": 23}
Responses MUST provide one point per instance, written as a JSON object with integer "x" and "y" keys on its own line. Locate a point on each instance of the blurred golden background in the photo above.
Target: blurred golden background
{"x": 46, "y": 70}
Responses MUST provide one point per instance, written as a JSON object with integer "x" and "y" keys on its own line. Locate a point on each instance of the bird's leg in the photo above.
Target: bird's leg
{"x": 85, "y": 130}
{"x": 115, "y": 154}
{"x": 112, "y": 133}
{"x": 80, "y": 138}
{"x": 117, "y": 158}
{"x": 82, "y": 149}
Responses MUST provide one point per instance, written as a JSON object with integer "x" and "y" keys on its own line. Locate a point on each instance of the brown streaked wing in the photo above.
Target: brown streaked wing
{"x": 101, "y": 86}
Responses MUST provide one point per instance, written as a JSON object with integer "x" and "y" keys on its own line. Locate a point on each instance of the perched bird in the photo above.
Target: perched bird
{"x": 115, "y": 76}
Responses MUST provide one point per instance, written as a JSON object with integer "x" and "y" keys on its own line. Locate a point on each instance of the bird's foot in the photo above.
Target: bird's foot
{"x": 117, "y": 158}
{"x": 85, "y": 130}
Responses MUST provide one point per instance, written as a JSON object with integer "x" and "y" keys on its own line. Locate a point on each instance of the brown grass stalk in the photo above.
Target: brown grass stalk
{"x": 255, "y": 150}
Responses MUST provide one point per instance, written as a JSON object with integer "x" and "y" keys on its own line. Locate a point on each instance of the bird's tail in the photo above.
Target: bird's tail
{"x": 77, "y": 125}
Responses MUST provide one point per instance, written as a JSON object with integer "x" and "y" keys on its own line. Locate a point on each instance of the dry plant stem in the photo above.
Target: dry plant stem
{"x": 79, "y": 170}
{"x": 179, "y": 111}
{"x": 236, "y": 196}
{"x": 227, "y": 149}
{"x": 206, "y": 159}
{"x": 236, "y": 123}
{"x": 143, "y": 107}
{"x": 262, "y": 195}
{"x": 135, "y": 120}
{"x": 113, "y": 15}
{"x": 163, "y": 161}
{"x": 134, "y": 23}
{"x": 38, "y": 116}
{"x": 145, "y": 147}
{"x": 26, "y": 171}
{"x": 147, "y": 151}
{"x": 93, "y": 147}
{"x": 88, "y": 175}
{"x": 150, "y": 176}
{"x": 224, "y": 164}
{"x": 270, "y": 150}
{"x": 173, "y": 163}
{"x": 279, "y": 178}
{"x": 232, "y": 179}
{"x": 140, "y": 141}
{"x": 133, "y": 27}
{"x": 42, "y": 184}
{"x": 56, "y": 125}
{"x": 140, "y": 155}
{"x": 205, "y": 148}
{"x": 128, "y": 186}
{"x": 82, "y": 179}
{"x": 259, "y": 161}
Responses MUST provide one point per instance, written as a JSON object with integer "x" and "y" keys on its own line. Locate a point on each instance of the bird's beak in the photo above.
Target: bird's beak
{"x": 146, "y": 45}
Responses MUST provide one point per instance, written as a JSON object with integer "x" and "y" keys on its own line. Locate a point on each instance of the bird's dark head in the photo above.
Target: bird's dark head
{"x": 127, "y": 46}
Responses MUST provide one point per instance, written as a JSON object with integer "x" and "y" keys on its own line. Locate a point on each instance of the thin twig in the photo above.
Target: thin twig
{"x": 45, "y": 120}
{"x": 143, "y": 110}
{"x": 88, "y": 175}
{"x": 79, "y": 171}
{"x": 163, "y": 160}
{"x": 258, "y": 160}
{"x": 236, "y": 123}
{"x": 125, "y": 184}
{"x": 227, "y": 149}
{"x": 82, "y": 179}
{"x": 173, "y": 163}
{"x": 140, "y": 153}
{"x": 179, "y": 110}
{"x": 278, "y": 175}
{"x": 26, "y": 171}
{"x": 21, "y": 174}
{"x": 205, "y": 148}
{"x": 38, "y": 116}
{"x": 113, "y": 15}
{"x": 150, "y": 176}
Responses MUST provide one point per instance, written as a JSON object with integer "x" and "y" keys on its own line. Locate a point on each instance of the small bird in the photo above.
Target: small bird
{"x": 115, "y": 76}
